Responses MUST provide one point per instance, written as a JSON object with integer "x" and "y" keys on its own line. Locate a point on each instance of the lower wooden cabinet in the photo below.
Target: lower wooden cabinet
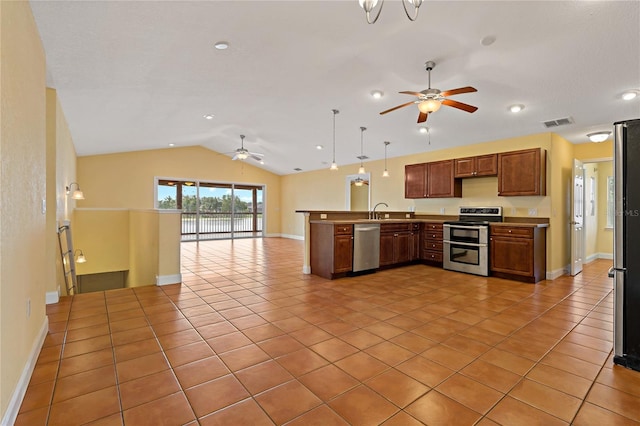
{"x": 398, "y": 243}
{"x": 432, "y": 242}
{"x": 518, "y": 252}
{"x": 331, "y": 249}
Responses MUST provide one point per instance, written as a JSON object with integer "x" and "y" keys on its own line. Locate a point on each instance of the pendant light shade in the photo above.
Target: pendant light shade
{"x": 334, "y": 165}
{"x": 386, "y": 172}
{"x": 361, "y": 170}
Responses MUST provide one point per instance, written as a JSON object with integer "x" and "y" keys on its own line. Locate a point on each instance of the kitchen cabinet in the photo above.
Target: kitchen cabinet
{"x": 415, "y": 181}
{"x": 414, "y": 242}
{"x": 331, "y": 249}
{"x": 522, "y": 172}
{"x": 432, "y": 242}
{"x": 396, "y": 243}
{"x": 482, "y": 165}
{"x": 431, "y": 180}
{"x": 518, "y": 252}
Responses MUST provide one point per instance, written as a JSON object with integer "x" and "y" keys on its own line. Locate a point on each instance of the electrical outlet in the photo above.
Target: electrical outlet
{"x": 323, "y": 215}
{"x": 407, "y": 215}
{"x": 386, "y": 215}
{"x": 514, "y": 211}
{"x": 533, "y": 212}
{"x": 28, "y": 308}
{"x": 442, "y": 210}
{"x": 43, "y": 206}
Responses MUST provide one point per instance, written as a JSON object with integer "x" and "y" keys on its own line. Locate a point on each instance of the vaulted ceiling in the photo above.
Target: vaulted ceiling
{"x": 137, "y": 75}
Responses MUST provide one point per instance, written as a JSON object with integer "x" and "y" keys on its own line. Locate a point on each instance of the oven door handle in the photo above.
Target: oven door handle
{"x": 464, "y": 244}
{"x": 464, "y": 226}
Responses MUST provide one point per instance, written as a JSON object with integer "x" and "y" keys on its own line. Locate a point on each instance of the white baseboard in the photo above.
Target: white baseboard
{"x": 552, "y": 275}
{"x": 52, "y": 296}
{"x": 292, "y": 237}
{"x": 608, "y": 256}
{"x": 11, "y": 414}
{"x": 168, "y": 279}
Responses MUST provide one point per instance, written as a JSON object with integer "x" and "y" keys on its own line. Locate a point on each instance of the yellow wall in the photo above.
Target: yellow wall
{"x": 23, "y": 263}
{"x": 126, "y": 180}
{"x": 61, "y": 170}
{"x": 604, "y": 236}
{"x": 143, "y": 247}
{"x": 103, "y": 237}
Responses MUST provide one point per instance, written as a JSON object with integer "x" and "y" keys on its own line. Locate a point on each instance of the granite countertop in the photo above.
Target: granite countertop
{"x": 521, "y": 224}
{"x": 354, "y": 221}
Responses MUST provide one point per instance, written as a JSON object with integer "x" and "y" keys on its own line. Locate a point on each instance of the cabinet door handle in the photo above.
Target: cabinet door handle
{"x": 510, "y": 231}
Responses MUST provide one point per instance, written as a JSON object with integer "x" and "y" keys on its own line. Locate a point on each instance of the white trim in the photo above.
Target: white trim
{"x": 306, "y": 270}
{"x": 21, "y": 388}
{"x": 293, "y": 237}
{"x": 595, "y": 256}
{"x": 52, "y": 296}
{"x": 168, "y": 279}
{"x": 552, "y": 275}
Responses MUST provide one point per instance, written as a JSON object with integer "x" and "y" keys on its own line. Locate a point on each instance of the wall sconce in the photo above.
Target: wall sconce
{"x": 79, "y": 257}
{"x": 77, "y": 194}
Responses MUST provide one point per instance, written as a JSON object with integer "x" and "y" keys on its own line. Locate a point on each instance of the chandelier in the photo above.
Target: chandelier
{"x": 369, "y": 5}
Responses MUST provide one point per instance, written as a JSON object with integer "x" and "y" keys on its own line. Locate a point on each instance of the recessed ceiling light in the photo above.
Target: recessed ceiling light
{"x": 423, "y": 129}
{"x": 377, "y": 94}
{"x": 172, "y": 145}
{"x": 516, "y": 108}
{"x": 630, "y": 94}
{"x": 208, "y": 116}
{"x": 221, "y": 45}
{"x": 487, "y": 40}
{"x": 319, "y": 147}
{"x": 598, "y": 136}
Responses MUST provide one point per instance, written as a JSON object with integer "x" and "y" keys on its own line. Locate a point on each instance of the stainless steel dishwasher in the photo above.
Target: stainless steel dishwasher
{"x": 366, "y": 246}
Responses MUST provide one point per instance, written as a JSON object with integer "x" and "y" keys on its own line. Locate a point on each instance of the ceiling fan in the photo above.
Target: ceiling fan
{"x": 242, "y": 153}
{"x": 430, "y": 100}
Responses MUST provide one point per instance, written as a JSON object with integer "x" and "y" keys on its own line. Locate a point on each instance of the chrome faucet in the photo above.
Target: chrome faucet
{"x": 373, "y": 212}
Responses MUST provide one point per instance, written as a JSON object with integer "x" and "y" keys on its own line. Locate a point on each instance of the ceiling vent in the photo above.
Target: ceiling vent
{"x": 298, "y": 169}
{"x": 362, "y": 157}
{"x": 558, "y": 122}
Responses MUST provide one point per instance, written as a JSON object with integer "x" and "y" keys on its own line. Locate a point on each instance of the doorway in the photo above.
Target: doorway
{"x": 213, "y": 210}
{"x": 598, "y": 209}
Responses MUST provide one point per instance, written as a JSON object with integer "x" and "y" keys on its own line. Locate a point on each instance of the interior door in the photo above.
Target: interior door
{"x": 577, "y": 217}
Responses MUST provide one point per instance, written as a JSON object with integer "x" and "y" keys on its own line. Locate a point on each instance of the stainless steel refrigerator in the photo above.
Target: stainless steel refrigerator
{"x": 626, "y": 244}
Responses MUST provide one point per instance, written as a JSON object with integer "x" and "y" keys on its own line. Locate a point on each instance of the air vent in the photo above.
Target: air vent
{"x": 362, "y": 157}
{"x": 298, "y": 169}
{"x": 558, "y": 122}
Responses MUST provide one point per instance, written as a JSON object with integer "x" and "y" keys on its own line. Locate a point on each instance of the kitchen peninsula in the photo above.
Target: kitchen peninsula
{"x": 517, "y": 246}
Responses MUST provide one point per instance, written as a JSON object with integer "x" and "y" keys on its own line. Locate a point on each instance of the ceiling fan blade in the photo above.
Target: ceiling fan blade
{"x": 397, "y": 107}
{"x": 235, "y": 157}
{"x": 458, "y": 91}
{"x": 460, "y": 105}
{"x": 411, "y": 93}
{"x": 422, "y": 117}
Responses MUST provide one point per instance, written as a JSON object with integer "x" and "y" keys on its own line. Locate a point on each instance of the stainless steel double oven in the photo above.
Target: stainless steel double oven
{"x": 466, "y": 241}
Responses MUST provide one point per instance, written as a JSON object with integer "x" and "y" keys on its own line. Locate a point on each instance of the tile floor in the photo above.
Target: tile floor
{"x": 249, "y": 340}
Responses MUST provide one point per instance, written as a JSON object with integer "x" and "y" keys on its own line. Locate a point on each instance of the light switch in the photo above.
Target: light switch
{"x": 323, "y": 215}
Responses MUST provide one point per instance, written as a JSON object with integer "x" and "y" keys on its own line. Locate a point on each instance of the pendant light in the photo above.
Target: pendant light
{"x": 334, "y": 165}
{"x": 362, "y": 157}
{"x": 386, "y": 172}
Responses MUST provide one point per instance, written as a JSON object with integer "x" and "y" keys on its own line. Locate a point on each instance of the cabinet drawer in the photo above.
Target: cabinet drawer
{"x": 343, "y": 229}
{"x": 433, "y": 227}
{"x": 433, "y": 235}
{"x": 433, "y": 245}
{"x": 395, "y": 227}
{"x": 434, "y": 256}
{"x": 512, "y": 231}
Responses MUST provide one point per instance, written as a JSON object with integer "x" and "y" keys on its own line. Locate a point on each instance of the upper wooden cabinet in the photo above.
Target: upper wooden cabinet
{"x": 440, "y": 180}
{"x": 522, "y": 172}
{"x": 415, "y": 181}
{"x": 482, "y": 165}
{"x": 431, "y": 180}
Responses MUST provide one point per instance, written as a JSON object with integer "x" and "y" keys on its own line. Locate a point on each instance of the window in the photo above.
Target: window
{"x": 611, "y": 197}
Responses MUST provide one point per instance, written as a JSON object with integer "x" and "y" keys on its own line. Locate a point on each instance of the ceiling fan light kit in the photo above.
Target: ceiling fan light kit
{"x": 370, "y": 5}
{"x": 430, "y": 100}
{"x": 242, "y": 153}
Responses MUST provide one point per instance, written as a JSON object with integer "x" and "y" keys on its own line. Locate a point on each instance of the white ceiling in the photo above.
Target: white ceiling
{"x": 136, "y": 75}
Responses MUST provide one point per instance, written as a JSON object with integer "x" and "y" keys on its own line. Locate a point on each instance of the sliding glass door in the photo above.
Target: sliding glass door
{"x": 213, "y": 210}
